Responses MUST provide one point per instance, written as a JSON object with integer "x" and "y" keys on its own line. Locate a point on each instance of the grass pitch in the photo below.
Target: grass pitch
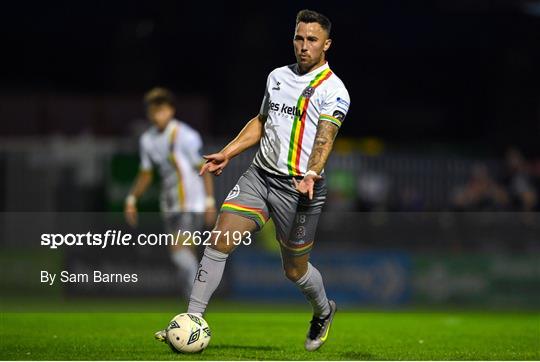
{"x": 274, "y": 336}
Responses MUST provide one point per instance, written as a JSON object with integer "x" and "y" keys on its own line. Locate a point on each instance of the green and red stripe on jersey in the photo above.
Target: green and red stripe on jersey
{"x": 297, "y": 132}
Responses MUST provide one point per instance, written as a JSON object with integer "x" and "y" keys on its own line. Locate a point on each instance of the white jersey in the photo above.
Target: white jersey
{"x": 294, "y": 104}
{"x": 175, "y": 152}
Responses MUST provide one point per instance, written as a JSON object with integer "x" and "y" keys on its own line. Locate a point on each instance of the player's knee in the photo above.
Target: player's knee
{"x": 294, "y": 273}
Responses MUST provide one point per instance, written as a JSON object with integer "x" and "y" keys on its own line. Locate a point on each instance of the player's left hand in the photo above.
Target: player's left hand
{"x": 305, "y": 186}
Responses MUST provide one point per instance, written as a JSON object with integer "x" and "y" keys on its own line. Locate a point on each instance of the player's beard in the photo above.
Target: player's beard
{"x": 307, "y": 66}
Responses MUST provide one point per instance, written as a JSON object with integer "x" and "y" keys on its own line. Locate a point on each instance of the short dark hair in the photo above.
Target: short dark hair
{"x": 310, "y": 16}
{"x": 158, "y": 96}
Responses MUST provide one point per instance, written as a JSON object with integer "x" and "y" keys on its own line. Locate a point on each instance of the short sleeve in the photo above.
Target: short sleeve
{"x": 146, "y": 162}
{"x": 266, "y": 99}
{"x": 335, "y": 106}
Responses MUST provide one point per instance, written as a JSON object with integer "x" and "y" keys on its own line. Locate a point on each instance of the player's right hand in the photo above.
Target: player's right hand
{"x": 305, "y": 186}
{"x": 215, "y": 163}
{"x": 130, "y": 213}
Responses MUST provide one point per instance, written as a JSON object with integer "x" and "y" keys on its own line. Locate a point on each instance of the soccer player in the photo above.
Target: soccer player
{"x": 187, "y": 200}
{"x": 303, "y": 107}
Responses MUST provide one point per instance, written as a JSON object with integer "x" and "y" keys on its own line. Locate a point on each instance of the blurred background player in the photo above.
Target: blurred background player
{"x": 187, "y": 200}
{"x": 303, "y": 108}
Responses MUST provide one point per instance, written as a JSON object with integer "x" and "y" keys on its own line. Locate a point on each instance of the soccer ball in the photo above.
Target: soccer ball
{"x": 188, "y": 333}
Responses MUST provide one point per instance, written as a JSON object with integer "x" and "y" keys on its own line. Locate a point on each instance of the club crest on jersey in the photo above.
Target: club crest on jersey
{"x": 233, "y": 193}
{"x": 308, "y": 92}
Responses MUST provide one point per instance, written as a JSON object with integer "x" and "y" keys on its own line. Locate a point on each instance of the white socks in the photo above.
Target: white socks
{"x": 207, "y": 279}
{"x": 311, "y": 285}
{"x": 210, "y": 272}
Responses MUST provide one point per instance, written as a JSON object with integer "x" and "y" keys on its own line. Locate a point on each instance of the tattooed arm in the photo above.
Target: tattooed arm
{"x": 324, "y": 140}
{"x": 334, "y": 108}
{"x": 322, "y": 146}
